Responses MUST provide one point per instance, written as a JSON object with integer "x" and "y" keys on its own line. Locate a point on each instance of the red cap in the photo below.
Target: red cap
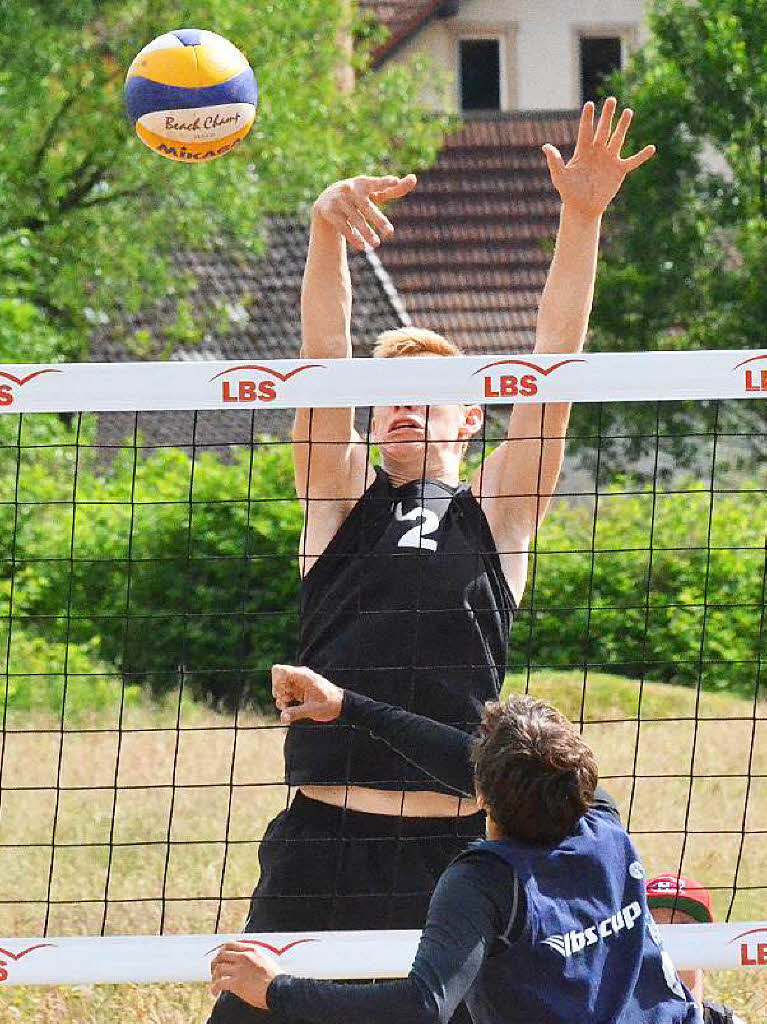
{"x": 680, "y": 893}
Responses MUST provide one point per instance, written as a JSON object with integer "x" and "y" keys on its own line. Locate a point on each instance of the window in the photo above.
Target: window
{"x": 600, "y": 56}
{"x": 480, "y": 77}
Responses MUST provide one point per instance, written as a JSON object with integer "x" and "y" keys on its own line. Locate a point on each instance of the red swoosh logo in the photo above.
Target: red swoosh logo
{"x": 21, "y": 381}
{"x": 277, "y": 950}
{"x": 18, "y": 956}
{"x": 751, "y": 931}
{"x": 267, "y": 369}
{"x": 531, "y": 366}
{"x": 753, "y": 359}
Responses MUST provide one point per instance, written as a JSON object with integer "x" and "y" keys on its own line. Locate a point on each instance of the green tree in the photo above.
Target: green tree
{"x": 89, "y": 217}
{"x": 665, "y": 585}
{"x": 685, "y": 257}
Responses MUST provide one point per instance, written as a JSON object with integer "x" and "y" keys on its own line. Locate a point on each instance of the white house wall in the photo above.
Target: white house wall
{"x": 540, "y": 40}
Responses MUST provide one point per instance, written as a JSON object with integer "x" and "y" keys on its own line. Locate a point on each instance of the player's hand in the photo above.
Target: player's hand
{"x": 350, "y": 206}
{"x": 595, "y": 173}
{"x": 301, "y": 693}
{"x": 244, "y": 971}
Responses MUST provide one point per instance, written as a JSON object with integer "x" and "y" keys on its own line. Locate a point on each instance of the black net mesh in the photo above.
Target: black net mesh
{"x": 148, "y": 585}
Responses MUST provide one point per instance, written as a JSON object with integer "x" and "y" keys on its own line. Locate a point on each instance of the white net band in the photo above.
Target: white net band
{"x": 330, "y": 383}
{"x": 347, "y": 955}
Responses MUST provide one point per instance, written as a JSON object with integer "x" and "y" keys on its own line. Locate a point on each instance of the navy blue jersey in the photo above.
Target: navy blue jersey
{"x": 525, "y": 934}
{"x": 589, "y": 949}
{"x": 408, "y": 604}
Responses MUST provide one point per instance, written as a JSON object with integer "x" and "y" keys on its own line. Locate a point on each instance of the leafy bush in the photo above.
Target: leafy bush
{"x": 698, "y": 619}
{"x": 35, "y": 672}
{"x": 26, "y": 337}
{"x": 205, "y": 591}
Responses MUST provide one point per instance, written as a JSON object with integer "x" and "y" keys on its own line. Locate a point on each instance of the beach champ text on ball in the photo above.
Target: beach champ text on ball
{"x": 191, "y": 95}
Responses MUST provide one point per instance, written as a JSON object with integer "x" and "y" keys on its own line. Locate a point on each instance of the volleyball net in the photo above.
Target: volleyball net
{"x": 150, "y": 537}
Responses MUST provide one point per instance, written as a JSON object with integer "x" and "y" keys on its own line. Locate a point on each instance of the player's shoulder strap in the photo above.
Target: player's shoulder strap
{"x": 481, "y": 848}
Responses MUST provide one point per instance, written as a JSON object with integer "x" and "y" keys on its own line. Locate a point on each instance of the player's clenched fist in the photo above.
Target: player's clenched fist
{"x": 350, "y": 206}
{"x": 301, "y": 693}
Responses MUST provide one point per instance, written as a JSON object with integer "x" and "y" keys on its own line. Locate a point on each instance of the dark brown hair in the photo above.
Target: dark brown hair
{"x": 534, "y": 772}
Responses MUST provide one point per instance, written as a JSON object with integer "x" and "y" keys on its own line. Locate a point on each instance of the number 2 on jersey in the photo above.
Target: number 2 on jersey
{"x": 418, "y": 537}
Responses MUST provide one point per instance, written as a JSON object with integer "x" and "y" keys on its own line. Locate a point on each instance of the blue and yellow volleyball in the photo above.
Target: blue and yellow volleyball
{"x": 191, "y": 95}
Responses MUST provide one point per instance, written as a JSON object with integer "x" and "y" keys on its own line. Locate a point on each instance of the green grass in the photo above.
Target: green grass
{"x": 666, "y": 744}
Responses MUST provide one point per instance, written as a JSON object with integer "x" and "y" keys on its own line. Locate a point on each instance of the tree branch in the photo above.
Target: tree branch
{"x": 78, "y": 192}
{"x": 113, "y": 196}
{"x": 32, "y": 223}
{"x": 67, "y": 102}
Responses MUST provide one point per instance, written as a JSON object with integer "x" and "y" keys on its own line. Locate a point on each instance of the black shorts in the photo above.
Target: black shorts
{"x": 326, "y": 868}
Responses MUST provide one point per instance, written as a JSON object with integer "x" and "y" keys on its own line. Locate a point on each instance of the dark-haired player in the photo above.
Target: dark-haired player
{"x": 409, "y": 577}
{"x": 545, "y": 921}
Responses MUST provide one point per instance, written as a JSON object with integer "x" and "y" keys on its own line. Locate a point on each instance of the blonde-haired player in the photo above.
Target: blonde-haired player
{"x": 410, "y": 578}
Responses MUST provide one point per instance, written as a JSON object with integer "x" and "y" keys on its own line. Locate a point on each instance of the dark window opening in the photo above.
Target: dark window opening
{"x": 480, "y": 74}
{"x": 600, "y": 56}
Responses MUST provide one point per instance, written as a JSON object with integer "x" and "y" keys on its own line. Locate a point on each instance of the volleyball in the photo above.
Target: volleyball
{"x": 191, "y": 95}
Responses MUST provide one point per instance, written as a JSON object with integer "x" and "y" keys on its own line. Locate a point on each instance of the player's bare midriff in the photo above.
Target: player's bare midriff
{"x": 395, "y": 803}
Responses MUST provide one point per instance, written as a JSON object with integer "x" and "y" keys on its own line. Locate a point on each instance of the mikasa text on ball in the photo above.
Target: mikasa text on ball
{"x": 191, "y": 95}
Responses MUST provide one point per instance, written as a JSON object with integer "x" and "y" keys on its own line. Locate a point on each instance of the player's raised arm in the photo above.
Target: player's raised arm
{"x": 520, "y": 476}
{"x": 330, "y": 461}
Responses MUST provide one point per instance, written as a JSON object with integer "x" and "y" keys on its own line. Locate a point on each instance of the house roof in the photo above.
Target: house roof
{"x": 241, "y": 308}
{"x": 402, "y": 18}
{"x": 473, "y": 242}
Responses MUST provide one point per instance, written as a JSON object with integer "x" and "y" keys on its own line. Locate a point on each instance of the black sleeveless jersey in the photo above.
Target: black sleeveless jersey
{"x": 408, "y": 605}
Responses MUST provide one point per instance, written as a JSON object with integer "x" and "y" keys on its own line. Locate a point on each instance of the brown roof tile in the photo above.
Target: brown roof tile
{"x": 244, "y": 308}
{"x": 402, "y": 18}
{"x": 451, "y": 302}
{"x": 467, "y": 280}
{"x": 473, "y": 243}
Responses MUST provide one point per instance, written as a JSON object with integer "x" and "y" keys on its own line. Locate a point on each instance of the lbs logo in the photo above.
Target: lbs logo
{"x": 753, "y": 951}
{"x": 7, "y": 392}
{"x": 516, "y": 383}
{"x": 251, "y": 382}
{"x": 277, "y": 950}
{"x": 575, "y": 942}
{"x": 17, "y": 956}
{"x": 755, "y": 377}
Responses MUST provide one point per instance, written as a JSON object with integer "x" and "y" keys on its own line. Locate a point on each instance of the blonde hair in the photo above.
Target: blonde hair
{"x": 413, "y": 341}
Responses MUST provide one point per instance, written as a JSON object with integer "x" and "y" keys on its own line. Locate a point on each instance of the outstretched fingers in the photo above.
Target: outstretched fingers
{"x": 586, "y": 126}
{"x": 376, "y": 219}
{"x": 369, "y": 183}
{"x": 615, "y": 144}
{"x": 358, "y": 223}
{"x": 343, "y": 227}
{"x": 631, "y": 163}
{"x": 554, "y": 159}
{"x": 605, "y": 121}
{"x": 394, "y": 190}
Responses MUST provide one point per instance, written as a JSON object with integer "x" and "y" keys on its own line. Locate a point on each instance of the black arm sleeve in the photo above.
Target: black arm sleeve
{"x": 439, "y": 750}
{"x": 470, "y": 908}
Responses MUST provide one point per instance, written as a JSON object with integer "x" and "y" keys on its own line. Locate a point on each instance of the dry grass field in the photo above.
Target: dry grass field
{"x": 151, "y": 784}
